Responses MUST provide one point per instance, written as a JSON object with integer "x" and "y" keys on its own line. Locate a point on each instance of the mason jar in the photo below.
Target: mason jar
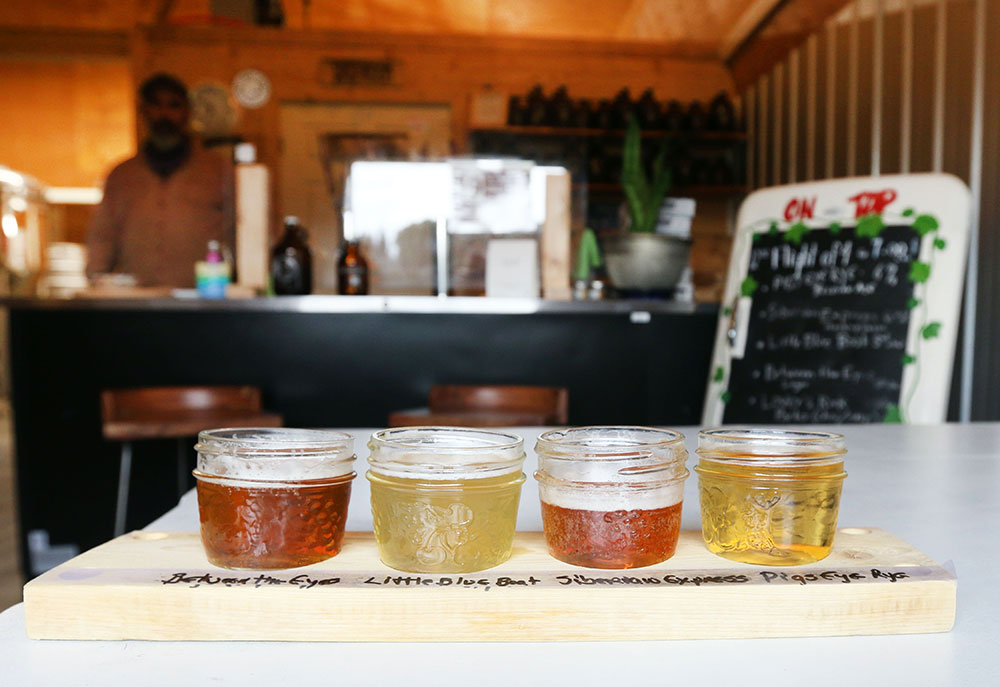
{"x": 611, "y": 496}
{"x": 444, "y": 499}
{"x": 770, "y": 496}
{"x": 273, "y": 498}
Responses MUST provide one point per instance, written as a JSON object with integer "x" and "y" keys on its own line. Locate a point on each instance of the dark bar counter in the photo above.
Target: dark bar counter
{"x": 321, "y": 361}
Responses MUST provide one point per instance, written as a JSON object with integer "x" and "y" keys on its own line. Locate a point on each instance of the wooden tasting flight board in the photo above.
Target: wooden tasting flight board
{"x": 159, "y": 586}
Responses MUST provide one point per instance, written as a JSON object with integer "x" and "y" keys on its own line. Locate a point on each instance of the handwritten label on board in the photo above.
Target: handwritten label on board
{"x": 826, "y": 337}
{"x": 649, "y": 578}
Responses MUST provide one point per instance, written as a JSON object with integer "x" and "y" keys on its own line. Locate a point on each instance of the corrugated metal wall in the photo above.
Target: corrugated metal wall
{"x": 891, "y": 86}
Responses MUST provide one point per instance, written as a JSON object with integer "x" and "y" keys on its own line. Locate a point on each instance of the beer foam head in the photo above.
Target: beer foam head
{"x": 274, "y": 454}
{"x": 611, "y": 468}
{"x": 607, "y": 499}
{"x": 445, "y": 453}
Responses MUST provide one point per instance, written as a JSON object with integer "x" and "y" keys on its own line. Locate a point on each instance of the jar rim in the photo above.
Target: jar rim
{"x": 459, "y": 439}
{"x": 445, "y": 452}
{"x": 600, "y": 443}
{"x": 272, "y": 442}
{"x": 770, "y": 443}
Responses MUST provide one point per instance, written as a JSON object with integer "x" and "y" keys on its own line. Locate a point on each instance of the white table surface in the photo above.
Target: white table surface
{"x": 937, "y": 487}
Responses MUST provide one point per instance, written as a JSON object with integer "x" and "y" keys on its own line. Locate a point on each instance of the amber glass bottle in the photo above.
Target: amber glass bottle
{"x": 352, "y": 271}
{"x": 291, "y": 261}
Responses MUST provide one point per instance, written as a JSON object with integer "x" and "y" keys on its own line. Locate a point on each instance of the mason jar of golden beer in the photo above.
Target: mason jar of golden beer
{"x": 770, "y": 496}
{"x": 273, "y": 498}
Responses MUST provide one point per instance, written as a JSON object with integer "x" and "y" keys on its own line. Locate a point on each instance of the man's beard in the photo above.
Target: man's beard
{"x": 166, "y": 153}
{"x": 165, "y": 136}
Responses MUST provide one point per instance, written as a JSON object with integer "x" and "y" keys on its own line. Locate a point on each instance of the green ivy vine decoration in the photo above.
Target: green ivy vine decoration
{"x": 920, "y": 272}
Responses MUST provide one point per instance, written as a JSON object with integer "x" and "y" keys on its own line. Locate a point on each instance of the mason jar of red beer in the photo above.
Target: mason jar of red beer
{"x": 611, "y": 496}
{"x": 273, "y": 498}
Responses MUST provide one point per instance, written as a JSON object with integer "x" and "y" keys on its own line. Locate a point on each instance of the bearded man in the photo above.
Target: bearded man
{"x": 162, "y": 207}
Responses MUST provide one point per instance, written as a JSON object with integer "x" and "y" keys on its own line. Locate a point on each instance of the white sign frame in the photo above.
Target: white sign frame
{"x": 898, "y": 200}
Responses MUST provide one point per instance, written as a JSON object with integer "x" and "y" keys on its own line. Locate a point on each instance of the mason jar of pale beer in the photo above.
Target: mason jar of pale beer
{"x": 273, "y": 498}
{"x": 611, "y": 496}
{"x": 444, "y": 499}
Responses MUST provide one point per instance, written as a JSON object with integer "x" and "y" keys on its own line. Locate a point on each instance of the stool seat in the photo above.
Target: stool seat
{"x": 488, "y": 406}
{"x": 472, "y": 418}
{"x": 176, "y": 412}
{"x": 177, "y": 425}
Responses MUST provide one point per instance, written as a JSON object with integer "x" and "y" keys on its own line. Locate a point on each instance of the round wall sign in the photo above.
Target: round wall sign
{"x": 212, "y": 113}
{"x": 252, "y": 88}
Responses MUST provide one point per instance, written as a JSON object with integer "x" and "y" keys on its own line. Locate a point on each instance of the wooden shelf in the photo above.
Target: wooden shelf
{"x": 555, "y": 131}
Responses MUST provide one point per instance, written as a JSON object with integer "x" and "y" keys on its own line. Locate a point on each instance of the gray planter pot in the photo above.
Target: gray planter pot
{"x": 645, "y": 262}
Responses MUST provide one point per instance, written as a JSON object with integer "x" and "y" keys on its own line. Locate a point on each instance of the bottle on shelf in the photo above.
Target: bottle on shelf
{"x": 537, "y": 107}
{"x": 697, "y": 117}
{"x": 561, "y": 109}
{"x": 211, "y": 275}
{"x": 673, "y": 116}
{"x": 621, "y": 108}
{"x": 582, "y": 114}
{"x": 352, "y": 271}
{"x": 648, "y": 111}
{"x": 721, "y": 113}
{"x": 516, "y": 111}
{"x": 291, "y": 261}
{"x": 601, "y": 115}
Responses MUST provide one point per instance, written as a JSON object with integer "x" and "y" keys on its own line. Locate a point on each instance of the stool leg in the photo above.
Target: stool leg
{"x": 182, "y": 469}
{"x": 124, "y": 473}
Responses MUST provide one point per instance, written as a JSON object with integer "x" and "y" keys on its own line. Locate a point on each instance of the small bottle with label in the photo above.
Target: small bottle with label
{"x": 352, "y": 271}
{"x": 212, "y": 274}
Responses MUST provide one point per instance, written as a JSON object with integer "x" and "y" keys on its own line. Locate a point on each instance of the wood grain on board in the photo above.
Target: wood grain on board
{"x": 159, "y": 586}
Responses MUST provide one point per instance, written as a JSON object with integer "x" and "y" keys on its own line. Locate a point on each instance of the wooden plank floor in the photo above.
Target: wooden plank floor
{"x": 10, "y": 568}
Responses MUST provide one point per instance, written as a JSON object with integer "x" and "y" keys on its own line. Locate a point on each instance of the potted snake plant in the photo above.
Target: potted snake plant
{"x": 639, "y": 259}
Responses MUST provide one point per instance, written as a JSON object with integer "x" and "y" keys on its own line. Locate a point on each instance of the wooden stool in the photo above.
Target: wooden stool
{"x": 488, "y": 406}
{"x": 174, "y": 413}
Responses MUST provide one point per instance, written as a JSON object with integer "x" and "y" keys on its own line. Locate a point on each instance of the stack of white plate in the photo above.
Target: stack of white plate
{"x": 67, "y": 263}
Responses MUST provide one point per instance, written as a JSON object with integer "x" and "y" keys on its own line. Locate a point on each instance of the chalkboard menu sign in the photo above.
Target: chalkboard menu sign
{"x": 827, "y": 329}
{"x": 842, "y": 303}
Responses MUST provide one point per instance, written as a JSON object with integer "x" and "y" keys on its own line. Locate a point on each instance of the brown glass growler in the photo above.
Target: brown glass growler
{"x": 291, "y": 261}
{"x": 352, "y": 271}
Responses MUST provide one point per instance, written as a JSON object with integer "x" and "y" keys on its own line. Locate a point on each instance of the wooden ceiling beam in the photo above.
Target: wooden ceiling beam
{"x": 56, "y": 43}
{"x": 381, "y": 40}
{"x": 747, "y": 25}
{"x": 787, "y": 27}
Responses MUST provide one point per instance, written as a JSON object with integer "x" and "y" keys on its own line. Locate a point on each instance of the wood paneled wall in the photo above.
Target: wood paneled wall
{"x": 429, "y": 69}
{"x": 826, "y": 110}
{"x": 440, "y": 69}
{"x": 65, "y": 121}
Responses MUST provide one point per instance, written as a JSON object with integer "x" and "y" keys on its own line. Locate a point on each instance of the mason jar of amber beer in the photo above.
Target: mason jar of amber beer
{"x": 611, "y": 496}
{"x": 444, "y": 499}
{"x": 770, "y": 496}
{"x": 273, "y": 498}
